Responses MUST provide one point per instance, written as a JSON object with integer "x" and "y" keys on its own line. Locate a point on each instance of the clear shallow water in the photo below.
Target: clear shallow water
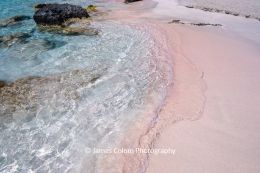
{"x": 84, "y": 93}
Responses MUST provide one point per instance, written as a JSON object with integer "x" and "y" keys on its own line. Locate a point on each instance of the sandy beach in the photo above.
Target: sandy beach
{"x": 225, "y": 138}
{"x": 98, "y": 94}
{"x": 210, "y": 116}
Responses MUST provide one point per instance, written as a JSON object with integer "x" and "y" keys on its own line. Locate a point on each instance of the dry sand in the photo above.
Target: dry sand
{"x": 226, "y": 138}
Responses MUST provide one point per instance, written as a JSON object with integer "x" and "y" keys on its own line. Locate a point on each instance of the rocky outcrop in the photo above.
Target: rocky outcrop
{"x": 64, "y": 19}
{"x": 13, "y": 20}
{"x": 130, "y": 1}
{"x": 57, "y": 14}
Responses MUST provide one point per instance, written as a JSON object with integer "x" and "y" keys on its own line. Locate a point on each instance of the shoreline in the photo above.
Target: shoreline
{"x": 189, "y": 96}
{"x": 146, "y": 131}
{"x": 198, "y": 97}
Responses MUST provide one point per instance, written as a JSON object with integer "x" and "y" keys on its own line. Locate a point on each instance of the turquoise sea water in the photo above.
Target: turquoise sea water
{"x": 83, "y": 91}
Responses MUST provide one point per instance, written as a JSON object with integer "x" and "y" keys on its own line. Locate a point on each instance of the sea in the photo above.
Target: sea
{"x": 68, "y": 94}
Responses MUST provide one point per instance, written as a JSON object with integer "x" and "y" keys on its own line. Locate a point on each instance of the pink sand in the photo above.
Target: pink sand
{"x": 226, "y": 138}
{"x": 211, "y": 115}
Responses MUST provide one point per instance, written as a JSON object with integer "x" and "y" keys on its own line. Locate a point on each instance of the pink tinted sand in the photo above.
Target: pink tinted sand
{"x": 226, "y": 138}
{"x": 211, "y": 115}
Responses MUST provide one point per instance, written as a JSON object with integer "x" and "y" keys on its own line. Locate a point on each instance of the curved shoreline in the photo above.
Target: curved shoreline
{"x": 180, "y": 95}
{"x": 186, "y": 101}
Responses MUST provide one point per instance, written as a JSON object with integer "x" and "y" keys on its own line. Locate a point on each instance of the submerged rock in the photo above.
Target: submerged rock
{"x": 2, "y": 84}
{"x": 57, "y": 14}
{"x": 17, "y": 95}
{"x": 130, "y": 1}
{"x": 79, "y": 31}
{"x": 13, "y": 20}
{"x": 30, "y": 50}
{"x": 9, "y": 40}
{"x": 69, "y": 30}
{"x": 29, "y": 93}
{"x": 76, "y": 21}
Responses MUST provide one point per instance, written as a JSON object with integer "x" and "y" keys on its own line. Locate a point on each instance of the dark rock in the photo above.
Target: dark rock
{"x": 13, "y": 20}
{"x": 205, "y": 24}
{"x": 189, "y": 6}
{"x": 9, "y": 40}
{"x": 207, "y": 9}
{"x": 227, "y": 12}
{"x": 57, "y": 14}
{"x": 176, "y": 21}
{"x": 40, "y": 6}
{"x": 94, "y": 79}
{"x": 218, "y": 11}
{"x": 2, "y": 84}
{"x": 130, "y": 1}
{"x": 235, "y": 14}
{"x": 20, "y": 18}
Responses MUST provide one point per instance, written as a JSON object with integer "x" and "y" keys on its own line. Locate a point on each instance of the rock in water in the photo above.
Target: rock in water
{"x": 40, "y": 6}
{"x": 57, "y": 14}
{"x": 13, "y": 20}
{"x": 130, "y": 1}
{"x": 2, "y": 84}
{"x": 73, "y": 31}
{"x": 29, "y": 50}
{"x": 9, "y": 40}
{"x": 20, "y": 18}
